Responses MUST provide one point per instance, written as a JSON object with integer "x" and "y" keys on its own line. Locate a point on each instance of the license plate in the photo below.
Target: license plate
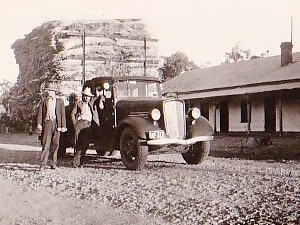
{"x": 156, "y": 134}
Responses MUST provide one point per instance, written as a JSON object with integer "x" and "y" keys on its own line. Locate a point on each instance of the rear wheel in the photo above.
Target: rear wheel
{"x": 197, "y": 153}
{"x": 101, "y": 152}
{"x": 62, "y": 151}
{"x": 66, "y": 140}
{"x": 133, "y": 154}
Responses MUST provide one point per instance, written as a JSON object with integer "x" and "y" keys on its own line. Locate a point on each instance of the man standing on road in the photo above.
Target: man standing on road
{"x": 51, "y": 120}
{"x": 83, "y": 115}
{"x": 73, "y": 98}
{"x": 70, "y": 134}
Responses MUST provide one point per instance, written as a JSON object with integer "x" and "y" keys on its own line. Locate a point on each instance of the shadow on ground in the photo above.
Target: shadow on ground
{"x": 278, "y": 149}
{"x": 15, "y": 156}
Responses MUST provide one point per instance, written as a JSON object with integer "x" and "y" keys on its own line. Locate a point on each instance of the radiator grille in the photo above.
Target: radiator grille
{"x": 174, "y": 115}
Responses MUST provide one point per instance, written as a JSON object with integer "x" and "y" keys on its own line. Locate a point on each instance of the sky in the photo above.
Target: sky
{"x": 202, "y": 30}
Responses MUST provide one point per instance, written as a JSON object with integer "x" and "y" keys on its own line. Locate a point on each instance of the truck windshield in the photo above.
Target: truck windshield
{"x": 142, "y": 89}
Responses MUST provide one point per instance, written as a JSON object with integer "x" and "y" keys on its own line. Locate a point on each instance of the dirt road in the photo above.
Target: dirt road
{"x": 167, "y": 191}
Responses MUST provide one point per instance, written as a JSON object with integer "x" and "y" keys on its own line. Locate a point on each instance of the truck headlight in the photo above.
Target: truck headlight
{"x": 194, "y": 113}
{"x": 155, "y": 114}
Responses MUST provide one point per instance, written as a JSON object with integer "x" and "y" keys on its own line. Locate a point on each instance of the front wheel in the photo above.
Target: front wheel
{"x": 133, "y": 154}
{"x": 197, "y": 153}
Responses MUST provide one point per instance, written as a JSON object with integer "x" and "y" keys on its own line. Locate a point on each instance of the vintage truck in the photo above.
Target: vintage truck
{"x": 137, "y": 120}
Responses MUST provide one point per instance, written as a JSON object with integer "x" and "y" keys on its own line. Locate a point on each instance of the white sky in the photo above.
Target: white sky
{"x": 203, "y": 30}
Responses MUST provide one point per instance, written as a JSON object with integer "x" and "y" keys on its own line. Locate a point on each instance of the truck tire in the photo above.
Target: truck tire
{"x": 197, "y": 153}
{"x": 133, "y": 154}
{"x": 62, "y": 151}
{"x": 100, "y": 152}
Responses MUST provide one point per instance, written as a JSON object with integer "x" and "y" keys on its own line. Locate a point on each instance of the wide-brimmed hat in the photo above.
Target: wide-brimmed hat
{"x": 87, "y": 92}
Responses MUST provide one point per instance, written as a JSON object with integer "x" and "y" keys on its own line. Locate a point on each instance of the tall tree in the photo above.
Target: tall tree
{"x": 237, "y": 54}
{"x": 5, "y": 87}
{"x": 175, "y": 65}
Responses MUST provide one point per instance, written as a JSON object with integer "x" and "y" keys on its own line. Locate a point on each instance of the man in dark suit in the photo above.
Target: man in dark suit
{"x": 70, "y": 134}
{"x": 51, "y": 120}
{"x": 83, "y": 115}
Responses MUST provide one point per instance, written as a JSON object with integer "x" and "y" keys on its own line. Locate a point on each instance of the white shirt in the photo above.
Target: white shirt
{"x": 86, "y": 114}
{"x": 51, "y": 104}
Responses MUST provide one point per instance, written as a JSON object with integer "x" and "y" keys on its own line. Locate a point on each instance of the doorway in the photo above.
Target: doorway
{"x": 205, "y": 110}
{"x": 270, "y": 114}
{"x": 224, "y": 117}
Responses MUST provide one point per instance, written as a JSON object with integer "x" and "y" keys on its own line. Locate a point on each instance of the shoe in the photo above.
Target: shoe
{"x": 53, "y": 167}
{"x": 42, "y": 168}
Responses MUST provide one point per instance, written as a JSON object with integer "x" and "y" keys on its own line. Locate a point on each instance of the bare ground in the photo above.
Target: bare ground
{"x": 227, "y": 189}
{"x": 278, "y": 149}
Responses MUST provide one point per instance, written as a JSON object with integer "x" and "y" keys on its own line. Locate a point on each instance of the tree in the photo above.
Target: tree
{"x": 5, "y": 87}
{"x": 237, "y": 54}
{"x": 175, "y": 65}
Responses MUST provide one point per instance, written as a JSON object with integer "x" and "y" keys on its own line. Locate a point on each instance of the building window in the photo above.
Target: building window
{"x": 244, "y": 112}
{"x": 204, "y": 107}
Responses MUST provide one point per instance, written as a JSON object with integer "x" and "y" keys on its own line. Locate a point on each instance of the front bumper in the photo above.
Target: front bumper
{"x": 169, "y": 141}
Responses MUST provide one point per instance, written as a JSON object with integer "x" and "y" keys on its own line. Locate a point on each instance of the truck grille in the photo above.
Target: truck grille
{"x": 174, "y": 115}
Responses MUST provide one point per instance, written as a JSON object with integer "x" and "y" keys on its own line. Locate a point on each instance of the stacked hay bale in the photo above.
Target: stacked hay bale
{"x": 69, "y": 52}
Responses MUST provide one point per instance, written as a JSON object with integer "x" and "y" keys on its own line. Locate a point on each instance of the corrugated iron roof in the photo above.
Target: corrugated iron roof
{"x": 253, "y": 76}
{"x": 240, "y": 91}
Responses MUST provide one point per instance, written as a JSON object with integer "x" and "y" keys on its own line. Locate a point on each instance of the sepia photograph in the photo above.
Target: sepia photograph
{"x": 150, "y": 112}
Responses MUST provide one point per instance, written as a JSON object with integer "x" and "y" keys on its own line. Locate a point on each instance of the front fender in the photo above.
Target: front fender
{"x": 200, "y": 127}
{"x": 139, "y": 125}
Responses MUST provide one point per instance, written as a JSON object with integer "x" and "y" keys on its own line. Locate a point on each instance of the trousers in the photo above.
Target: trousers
{"x": 50, "y": 143}
{"x": 83, "y": 133}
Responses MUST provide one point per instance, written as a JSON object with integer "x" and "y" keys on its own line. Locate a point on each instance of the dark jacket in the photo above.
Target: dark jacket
{"x": 59, "y": 112}
{"x": 78, "y": 108}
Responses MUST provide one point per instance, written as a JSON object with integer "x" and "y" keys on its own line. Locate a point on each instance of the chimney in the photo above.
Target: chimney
{"x": 286, "y": 53}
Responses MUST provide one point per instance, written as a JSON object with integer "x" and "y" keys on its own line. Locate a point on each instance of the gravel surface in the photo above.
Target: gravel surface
{"x": 168, "y": 191}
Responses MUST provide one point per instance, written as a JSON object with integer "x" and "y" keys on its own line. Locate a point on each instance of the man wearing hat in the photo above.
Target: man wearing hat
{"x": 51, "y": 120}
{"x": 83, "y": 115}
